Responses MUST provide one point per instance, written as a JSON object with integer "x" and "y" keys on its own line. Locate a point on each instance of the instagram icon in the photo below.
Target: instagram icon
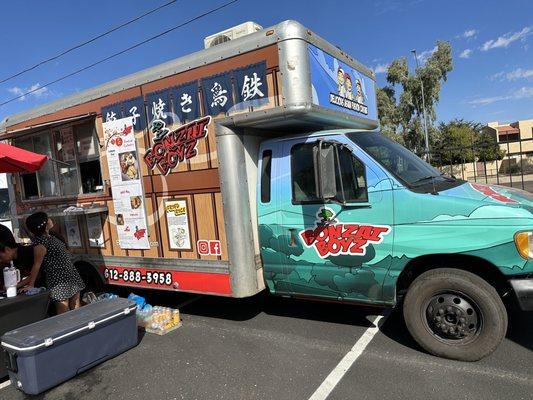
{"x": 209, "y": 247}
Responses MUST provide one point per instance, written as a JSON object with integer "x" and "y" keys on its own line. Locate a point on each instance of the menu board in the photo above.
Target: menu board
{"x": 73, "y": 231}
{"x": 177, "y": 216}
{"x": 126, "y": 184}
{"x": 94, "y": 230}
{"x": 67, "y": 144}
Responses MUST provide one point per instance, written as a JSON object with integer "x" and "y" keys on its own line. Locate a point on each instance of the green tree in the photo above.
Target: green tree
{"x": 460, "y": 141}
{"x": 400, "y": 111}
{"x": 487, "y": 147}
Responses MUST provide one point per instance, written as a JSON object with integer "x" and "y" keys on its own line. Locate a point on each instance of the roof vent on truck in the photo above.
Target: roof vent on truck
{"x": 231, "y": 34}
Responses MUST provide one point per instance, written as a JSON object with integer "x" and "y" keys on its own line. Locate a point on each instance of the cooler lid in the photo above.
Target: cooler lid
{"x": 48, "y": 331}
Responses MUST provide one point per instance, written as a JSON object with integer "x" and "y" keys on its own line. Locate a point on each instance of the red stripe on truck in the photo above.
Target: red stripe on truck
{"x": 183, "y": 281}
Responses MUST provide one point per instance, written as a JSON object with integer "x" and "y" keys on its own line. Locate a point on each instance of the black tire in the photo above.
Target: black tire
{"x": 91, "y": 278}
{"x": 474, "y": 321}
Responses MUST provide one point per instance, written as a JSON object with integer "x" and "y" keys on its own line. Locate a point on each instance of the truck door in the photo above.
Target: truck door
{"x": 329, "y": 249}
{"x": 272, "y": 240}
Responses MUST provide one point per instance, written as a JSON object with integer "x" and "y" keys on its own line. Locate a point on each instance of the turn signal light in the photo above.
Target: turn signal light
{"x": 524, "y": 244}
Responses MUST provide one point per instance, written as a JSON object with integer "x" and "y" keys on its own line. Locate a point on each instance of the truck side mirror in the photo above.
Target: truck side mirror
{"x": 326, "y": 183}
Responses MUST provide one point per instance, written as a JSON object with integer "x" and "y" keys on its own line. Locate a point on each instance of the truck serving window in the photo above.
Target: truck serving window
{"x": 79, "y": 172}
{"x": 42, "y": 183}
{"x": 89, "y": 157}
{"x": 266, "y": 168}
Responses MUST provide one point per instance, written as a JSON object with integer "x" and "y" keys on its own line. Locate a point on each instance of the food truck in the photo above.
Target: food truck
{"x": 257, "y": 164}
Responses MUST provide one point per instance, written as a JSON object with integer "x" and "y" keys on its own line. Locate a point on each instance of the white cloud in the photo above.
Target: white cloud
{"x": 470, "y": 33}
{"x": 499, "y": 76}
{"x": 381, "y": 68}
{"x": 506, "y": 40}
{"x": 465, "y": 53}
{"x": 518, "y": 73}
{"x": 524, "y": 92}
{"x": 423, "y": 57}
{"x": 35, "y": 90}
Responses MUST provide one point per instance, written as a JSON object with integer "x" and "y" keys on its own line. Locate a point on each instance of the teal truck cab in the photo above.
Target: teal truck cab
{"x": 256, "y": 164}
{"x": 354, "y": 216}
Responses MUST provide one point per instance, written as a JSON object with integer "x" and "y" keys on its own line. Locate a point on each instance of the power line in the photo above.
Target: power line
{"x": 87, "y": 42}
{"x": 122, "y": 51}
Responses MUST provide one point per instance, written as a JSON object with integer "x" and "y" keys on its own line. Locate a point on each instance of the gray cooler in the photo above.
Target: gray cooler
{"x": 43, "y": 354}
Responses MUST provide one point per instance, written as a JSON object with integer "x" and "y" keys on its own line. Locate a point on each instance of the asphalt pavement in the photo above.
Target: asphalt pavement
{"x": 272, "y": 348}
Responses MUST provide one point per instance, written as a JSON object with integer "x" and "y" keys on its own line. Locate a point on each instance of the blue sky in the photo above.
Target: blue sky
{"x": 492, "y": 43}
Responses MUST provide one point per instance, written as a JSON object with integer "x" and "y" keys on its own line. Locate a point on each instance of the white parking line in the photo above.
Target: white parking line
{"x": 5, "y": 384}
{"x": 344, "y": 365}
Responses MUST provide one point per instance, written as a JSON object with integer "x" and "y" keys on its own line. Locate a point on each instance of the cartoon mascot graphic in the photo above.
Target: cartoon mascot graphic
{"x": 359, "y": 96}
{"x": 341, "y": 88}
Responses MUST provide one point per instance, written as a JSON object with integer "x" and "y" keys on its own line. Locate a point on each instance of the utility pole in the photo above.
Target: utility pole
{"x": 424, "y": 123}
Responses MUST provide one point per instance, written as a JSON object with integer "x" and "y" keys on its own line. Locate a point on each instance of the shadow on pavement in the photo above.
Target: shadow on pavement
{"x": 520, "y": 328}
{"x": 245, "y": 309}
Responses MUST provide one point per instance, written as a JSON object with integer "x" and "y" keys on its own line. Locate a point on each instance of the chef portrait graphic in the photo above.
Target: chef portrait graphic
{"x": 341, "y": 82}
{"x": 345, "y": 87}
{"x": 359, "y": 95}
{"x": 338, "y": 85}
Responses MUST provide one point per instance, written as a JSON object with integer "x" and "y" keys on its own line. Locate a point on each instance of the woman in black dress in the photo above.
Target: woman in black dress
{"x": 51, "y": 254}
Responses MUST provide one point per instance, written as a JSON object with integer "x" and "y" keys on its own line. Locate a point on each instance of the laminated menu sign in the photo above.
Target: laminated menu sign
{"x": 67, "y": 140}
{"x": 178, "y": 224}
{"x": 73, "y": 231}
{"x": 94, "y": 229}
{"x": 126, "y": 184}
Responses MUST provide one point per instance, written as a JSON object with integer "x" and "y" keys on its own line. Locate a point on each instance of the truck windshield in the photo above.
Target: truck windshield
{"x": 399, "y": 161}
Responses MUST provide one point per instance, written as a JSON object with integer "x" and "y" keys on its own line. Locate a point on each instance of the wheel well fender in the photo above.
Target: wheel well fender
{"x": 476, "y": 265}
{"x": 90, "y": 274}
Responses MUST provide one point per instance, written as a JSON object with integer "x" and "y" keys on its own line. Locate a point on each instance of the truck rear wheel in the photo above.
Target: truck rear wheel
{"x": 455, "y": 314}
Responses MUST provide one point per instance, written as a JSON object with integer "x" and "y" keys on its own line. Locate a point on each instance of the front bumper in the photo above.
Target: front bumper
{"x": 523, "y": 289}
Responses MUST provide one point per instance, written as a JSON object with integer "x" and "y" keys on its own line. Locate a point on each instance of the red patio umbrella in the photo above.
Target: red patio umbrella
{"x": 14, "y": 159}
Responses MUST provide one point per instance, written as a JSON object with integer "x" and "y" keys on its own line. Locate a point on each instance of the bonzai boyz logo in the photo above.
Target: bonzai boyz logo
{"x": 331, "y": 237}
{"x": 172, "y": 147}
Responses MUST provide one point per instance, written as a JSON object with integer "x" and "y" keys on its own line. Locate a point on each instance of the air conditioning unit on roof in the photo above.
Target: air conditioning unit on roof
{"x": 231, "y": 34}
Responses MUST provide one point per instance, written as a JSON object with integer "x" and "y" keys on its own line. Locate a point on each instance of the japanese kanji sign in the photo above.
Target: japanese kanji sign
{"x": 133, "y": 108}
{"x": 112, "y": 112}
{"x": 218, "y": 93}
{"x": 159, "y": 113}
{"x": 251, "y": 84}
{"x": 178, "y": 105}
{"x": 185, "y": 98}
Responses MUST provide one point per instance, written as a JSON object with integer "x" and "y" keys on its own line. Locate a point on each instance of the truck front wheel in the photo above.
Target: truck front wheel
{"x": 455, "y": 314}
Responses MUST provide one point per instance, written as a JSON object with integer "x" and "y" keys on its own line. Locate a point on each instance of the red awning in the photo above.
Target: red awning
{"x": 14, "y": 159}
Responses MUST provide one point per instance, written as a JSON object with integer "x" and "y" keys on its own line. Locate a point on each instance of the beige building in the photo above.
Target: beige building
{"x": 514, "y": 138}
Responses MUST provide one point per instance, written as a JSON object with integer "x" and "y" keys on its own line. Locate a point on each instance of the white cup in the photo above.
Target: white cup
{"x": 11, "y": 291}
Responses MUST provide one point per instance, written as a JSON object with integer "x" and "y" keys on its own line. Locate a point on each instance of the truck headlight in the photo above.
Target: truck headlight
{"x": 524, "y": 244}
